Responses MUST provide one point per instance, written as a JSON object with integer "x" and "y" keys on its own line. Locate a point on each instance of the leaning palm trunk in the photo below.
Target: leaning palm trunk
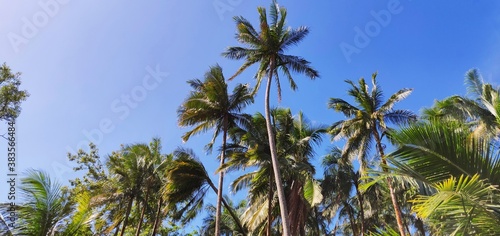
{"x": 397, "y": 210}
{"x": 221, "y": 180}
{"x": 269, "y": 205}
{"x": 158, "y": 216}
{"x": 274, "y": 155}
{"x": 138, "y": 232}
{"x": 361, "y": 209}
{"x": 129, "y": 207}
{"x": 228, "y": 207}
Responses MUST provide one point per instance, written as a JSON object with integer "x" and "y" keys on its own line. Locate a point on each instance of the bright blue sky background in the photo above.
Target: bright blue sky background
{"x": 87, "y": 54}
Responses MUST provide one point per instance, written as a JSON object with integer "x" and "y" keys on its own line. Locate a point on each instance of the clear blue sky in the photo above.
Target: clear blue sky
{"x": 81, "y": 59}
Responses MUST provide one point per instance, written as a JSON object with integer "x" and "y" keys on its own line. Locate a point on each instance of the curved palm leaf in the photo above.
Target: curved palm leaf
{"x": 462, "y": 170}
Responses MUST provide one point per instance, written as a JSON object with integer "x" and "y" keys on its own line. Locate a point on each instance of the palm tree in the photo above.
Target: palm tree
{"x": 210, "y": 106}
{"x": 131, "y": 168}
{"x": 155, "y": 167}
{"x": 305, "y": 191}
{"x": 47, "y": 210}
{"x": 460, "y": 173}
{"x": 45, "y": 206}
{"x": 295, "y": 141}
{"x": 228, "y": 226}
{"x": 366, "y": 124}
{"x": 481, "y": 111}
{"x": 252, "y": 150}
{"x": 187, "y": 187}
{"x": 267, "y": 47}
{"x": 337, "y": 186}
{"x": 160, "y": 179}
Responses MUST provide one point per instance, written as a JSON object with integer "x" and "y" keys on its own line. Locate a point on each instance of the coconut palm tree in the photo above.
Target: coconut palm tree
{"x": 47, "y": 210}
{"x": 131, "y": 169}
{"x": 45, "y": 206}
{"x": 295, "y": 141}
{"x": 340, "y": 180}
{"x": 210, "y": 106}
{"x": 155, "y": 166}
{"x": 460, "y": 173}
{"x": 305, "y": 191}
{"x": 367, "y": 123}
{"x": 481, "y": 111}
{"x": 187, "y": 187}
{"x": 267, "y": 48}
{"x": 252, "y": 150}
{"x": 228, "y": 226}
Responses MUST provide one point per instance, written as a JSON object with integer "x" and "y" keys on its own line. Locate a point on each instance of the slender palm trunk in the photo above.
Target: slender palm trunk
{"x": 419, "y": 224}
{"x": 352, "y": 220}
{"x": 157, "y": 219}
{"x": 274, "y": 155}
{"x": 361, "y": 208}
{"x": 117, "y": 229}
{"x": 270, "y": 205}
{"x": 129, "y": 207}
{"x": 229, "y": 208}
{"x": 397, "y": 210}
{"x": 144, "y": 206}
{"x": 221, "y": 179}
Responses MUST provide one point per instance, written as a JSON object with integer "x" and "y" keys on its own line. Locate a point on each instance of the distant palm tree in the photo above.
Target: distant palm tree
{"x": 131, "y": 170}
{"x": 295, "y": 141}
{"x": 366, "y": 123}
{"x": 228, "y": 226}
{"x": 267, "y": 47}
{"x": 155, "y": 166}
{"x": 340, "y": 180}
{"x": 210, "y": 106}
{"x": 187, "y": 187}
{"x": 460, "y": 174}
{"x": 481, "y": 111}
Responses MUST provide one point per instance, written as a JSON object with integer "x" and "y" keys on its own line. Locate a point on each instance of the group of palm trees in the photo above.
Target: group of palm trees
{"x": 441, "y": 178}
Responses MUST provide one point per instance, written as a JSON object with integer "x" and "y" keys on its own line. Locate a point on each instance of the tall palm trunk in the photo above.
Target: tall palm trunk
{"x": 144, "y": 206}
{"x": 361, "y": 208}
{"x": 351, "y": 219}
{"x": 117, "y": 229}
{"x": 129, "y": 208}
{"x": 397, "y": 210}
{"x": 270, "y": 205}
{"x": 157, "y": 219}
{"x": 274, "y": 154}
{"x": 221, "y": 179}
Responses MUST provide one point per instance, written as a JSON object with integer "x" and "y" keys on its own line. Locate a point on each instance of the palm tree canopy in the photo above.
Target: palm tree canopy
{"x": 209, "y": 105}
{"x": 269, "y": 45}
{"x": 371, "y": 112}
{"x": 480, "y": 110}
